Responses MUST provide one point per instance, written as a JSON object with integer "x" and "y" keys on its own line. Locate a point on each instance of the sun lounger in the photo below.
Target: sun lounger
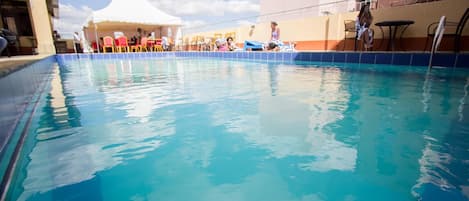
{"x": 290, "y": 47}
{"x": 253, "y": 46}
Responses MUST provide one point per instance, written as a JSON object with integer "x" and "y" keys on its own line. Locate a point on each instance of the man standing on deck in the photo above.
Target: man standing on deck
{"x": 77, "y": 41}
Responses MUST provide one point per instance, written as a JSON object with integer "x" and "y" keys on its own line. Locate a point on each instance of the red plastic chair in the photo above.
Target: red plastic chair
{"x": 94, "y": 46}
{"x": 150, "y": 44}
{"x": 122, "y": 44}
{"x": 144, "y": 44}
{"x": 158, "y": 45}
{"x": 140, "y": 47}
{"x": 108, "y": 42}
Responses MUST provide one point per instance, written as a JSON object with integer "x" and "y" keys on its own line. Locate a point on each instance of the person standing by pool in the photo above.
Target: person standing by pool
{"x": 275, "y": 31}
{"x": 363, "y": 22}
{"x": 55, "y": 35}
{"x": 274, "y": 37}
{"x": 139, "y": 34}
{"x": 77, "y": 41}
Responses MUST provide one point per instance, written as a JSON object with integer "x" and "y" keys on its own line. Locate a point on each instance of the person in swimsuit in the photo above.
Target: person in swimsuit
{"x": 363, "y": 22}
{"x": 275, "y": 31}
{"x": 274, "y": 37}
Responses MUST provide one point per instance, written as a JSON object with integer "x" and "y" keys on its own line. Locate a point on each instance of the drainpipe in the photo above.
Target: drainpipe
{"x": 326, "y": 44}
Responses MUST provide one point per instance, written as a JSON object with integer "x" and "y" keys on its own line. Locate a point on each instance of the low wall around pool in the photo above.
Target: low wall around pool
{"x": 405, "y": 59}
{"x": 18, "y": 91}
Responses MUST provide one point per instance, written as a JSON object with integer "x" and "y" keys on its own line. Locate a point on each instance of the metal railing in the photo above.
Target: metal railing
{"x": 437, "y": 39}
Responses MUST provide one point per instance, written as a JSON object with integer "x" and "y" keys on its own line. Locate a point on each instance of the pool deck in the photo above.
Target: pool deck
{"x": 11, "y": 64}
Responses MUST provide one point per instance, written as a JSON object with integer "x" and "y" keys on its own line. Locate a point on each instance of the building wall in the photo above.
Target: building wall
{"x": 42, "y": 26}
{"x": 327, "y": 32}
{"x": 294, "y": 9}
{"x": 15, "y": 17}
{"x": 32, "y": 22}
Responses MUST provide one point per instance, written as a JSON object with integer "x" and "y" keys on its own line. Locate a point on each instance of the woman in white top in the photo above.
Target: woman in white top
{"x": 274, "y": 37}
{"x": 275, "y": 31}
{"x": 363, "y": 22}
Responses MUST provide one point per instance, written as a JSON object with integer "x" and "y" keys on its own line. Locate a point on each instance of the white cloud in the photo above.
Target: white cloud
{"x": 245, "y": 23}
{"x": 71, "y": 19}
{"x": 207, "y": 7}
{"x": 194, "y": 26}
{"x": 193, "y": 23}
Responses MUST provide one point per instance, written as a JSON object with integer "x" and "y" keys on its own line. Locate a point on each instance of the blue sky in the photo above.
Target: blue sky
{"x": 198, "y": 15}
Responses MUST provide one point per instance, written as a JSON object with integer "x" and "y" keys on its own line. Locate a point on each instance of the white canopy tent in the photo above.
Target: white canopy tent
{"x": 126, "y": 16}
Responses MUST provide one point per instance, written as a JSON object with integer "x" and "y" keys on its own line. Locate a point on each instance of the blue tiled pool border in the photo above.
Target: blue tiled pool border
{"x": 398, "y": 58}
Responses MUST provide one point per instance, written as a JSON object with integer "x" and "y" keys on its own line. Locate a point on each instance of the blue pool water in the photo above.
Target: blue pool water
{"x": 212, "y": 130}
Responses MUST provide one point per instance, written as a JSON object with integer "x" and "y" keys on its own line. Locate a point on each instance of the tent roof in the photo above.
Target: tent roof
{"x": 134, "y": 11}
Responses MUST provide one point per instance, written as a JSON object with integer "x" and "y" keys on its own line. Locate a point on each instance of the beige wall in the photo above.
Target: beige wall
{"x": 41, "y": 26}
{"x": 309, "y": 8}
{"x": 332, "y": 27}
{"x": 424, "y": 14}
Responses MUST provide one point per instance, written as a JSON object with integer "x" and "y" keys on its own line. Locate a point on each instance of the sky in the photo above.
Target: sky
{"x": 197, "y": 15}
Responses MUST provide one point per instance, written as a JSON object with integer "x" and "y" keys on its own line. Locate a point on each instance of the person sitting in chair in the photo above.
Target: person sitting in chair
{"x": 363, "y": 22}
{"x": 165, "y": 43}
{"x": 231, "y": 45}
{"x": 3, "y": 44}
{"x": 8, "y": 38}
{"x": 221, "y": 45}
{"x": 133, "y": 40}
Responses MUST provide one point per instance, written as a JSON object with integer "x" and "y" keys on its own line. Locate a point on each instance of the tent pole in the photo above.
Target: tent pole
{"x": 87, "y": 36}
{"x": 183, "y": 42}
{"x": 96, "y": 36}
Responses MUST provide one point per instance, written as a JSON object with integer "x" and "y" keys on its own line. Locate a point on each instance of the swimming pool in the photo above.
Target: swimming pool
{"x": 200, "y": 129}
